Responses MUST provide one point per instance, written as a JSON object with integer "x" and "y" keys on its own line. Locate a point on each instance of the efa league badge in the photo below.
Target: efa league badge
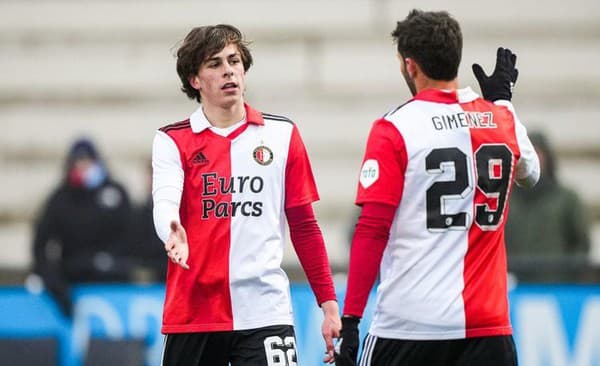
{"x": 263, "y": 155}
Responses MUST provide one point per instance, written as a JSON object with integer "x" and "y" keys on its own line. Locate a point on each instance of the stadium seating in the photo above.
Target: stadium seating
{"x": 105, "y": 69}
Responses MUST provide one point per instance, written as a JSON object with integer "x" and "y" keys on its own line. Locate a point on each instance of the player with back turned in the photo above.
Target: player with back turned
{"x": 224, "y": 182}
{"x": 434, "y": 187}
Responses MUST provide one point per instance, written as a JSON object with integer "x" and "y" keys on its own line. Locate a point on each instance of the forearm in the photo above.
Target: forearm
{"x": 368, "y": 244}
{"x": 164, "y": 212}
{"x": 167, "y": 184}
{"x": 309, "y": 245}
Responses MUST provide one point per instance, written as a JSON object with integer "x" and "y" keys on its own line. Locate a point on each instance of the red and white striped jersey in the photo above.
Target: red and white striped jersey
{"x": 235, "y": 192}
{"x": 446, "y": 160}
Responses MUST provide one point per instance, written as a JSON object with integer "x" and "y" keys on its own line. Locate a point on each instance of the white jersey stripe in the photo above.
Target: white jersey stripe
{"x": 162, "y": 353}
{"x": 426, "y": 273}
{"x": 369, "y": 346}
{"x": 276, "y": 117}
{"x": 253, "y": 266}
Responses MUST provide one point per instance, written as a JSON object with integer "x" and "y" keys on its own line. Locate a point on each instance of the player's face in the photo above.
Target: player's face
{"x": 409, "y": 81}
{"x": 221, "y": 78}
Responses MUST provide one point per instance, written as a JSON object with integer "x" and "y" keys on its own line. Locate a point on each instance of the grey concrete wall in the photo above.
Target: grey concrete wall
{"x": 106, "y": 69}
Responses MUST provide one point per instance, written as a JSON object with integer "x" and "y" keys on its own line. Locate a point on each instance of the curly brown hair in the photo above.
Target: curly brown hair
{"x": 433, "y": 39}
{"x": 200, "y": 44}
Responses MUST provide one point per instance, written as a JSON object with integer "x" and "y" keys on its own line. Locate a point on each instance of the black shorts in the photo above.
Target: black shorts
{"x": 480, "y": 351}
{"x": 275, "y": 345}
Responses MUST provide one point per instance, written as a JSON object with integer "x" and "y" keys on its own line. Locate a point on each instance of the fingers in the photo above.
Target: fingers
{"x": 508, "y": 57}
{"x": 513, "y": 58}
{"x": 173, "y": 255}
{"x": 178, "y": 259}
{"x": 328, "y": 334}
{"x": 513, "y": 62}
{"x": 329, "y": 357}
{"x": 178, "y": 253}
{"x": 330, "y": 350}
{"x": 500, "y": 56}
{"x": 500, "y": 52}
{"x": 479, "y": 73}
{"x": 328, "y": 342}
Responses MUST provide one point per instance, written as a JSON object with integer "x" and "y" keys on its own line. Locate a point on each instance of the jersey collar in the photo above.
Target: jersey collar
{"x": 199, "y": 122}
{"x": 464, "y": 95}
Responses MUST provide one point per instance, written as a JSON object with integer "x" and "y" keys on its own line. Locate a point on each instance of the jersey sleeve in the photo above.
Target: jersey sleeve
{"x": 368, "y": 244}
{"x": 300, "y": 186}
{"x": 528, "y": 166}
{"x": 382, "y": 173}
{"x": 167, "y": 183}
{"x": 309, "y": 245}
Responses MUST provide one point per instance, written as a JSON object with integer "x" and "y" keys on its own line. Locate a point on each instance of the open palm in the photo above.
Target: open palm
{"x": 177, "y": 245}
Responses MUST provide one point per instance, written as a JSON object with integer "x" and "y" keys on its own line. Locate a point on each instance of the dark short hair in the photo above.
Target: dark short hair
{"x": 433, "y": 39}
{"x": 200, "y": 44}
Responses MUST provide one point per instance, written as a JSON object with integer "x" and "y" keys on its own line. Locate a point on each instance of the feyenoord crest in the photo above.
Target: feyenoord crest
{"x": 263, "y": 155}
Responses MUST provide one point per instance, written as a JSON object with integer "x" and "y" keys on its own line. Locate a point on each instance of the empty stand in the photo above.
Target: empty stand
{"x": 106, "y": 69}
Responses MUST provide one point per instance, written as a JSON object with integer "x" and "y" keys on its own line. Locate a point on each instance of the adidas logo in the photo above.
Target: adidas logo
{"x": 200, "y": 159}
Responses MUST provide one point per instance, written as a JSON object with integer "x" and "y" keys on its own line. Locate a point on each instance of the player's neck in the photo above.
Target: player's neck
{"x": 224, "y": 117}
{"x": 426, "y": 83}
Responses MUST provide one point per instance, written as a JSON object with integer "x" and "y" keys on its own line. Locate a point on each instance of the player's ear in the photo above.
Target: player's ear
{"x": 194, "y": 82}
{"x": 412, "y": 68}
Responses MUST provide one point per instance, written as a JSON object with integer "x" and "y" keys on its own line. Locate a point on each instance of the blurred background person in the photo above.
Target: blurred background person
{"x": 146, "y": 250}
{"x": 548, "y": 228}
{"x": 80, "y": 234}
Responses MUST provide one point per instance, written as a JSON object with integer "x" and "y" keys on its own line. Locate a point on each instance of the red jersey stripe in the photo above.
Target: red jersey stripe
{"x": 495, "y": 152}
{"x": 206, "y": 305}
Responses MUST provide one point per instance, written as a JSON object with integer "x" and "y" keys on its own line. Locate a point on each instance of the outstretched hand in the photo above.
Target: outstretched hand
{"x": 177, "y": 245}
{"x": 499, "y": 85}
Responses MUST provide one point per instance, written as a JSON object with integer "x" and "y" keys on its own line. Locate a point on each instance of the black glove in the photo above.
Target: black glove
{"x": 499, "y": 85}
{"x": 346, "y": 349}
